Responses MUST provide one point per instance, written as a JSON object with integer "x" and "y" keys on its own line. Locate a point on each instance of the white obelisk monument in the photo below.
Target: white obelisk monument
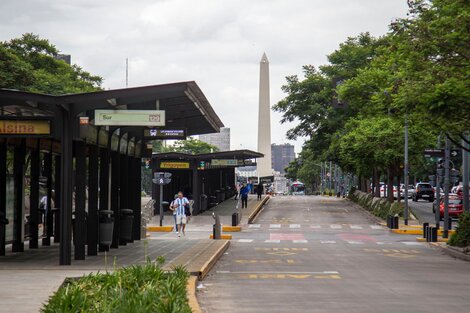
{"x": 264, "y": 166}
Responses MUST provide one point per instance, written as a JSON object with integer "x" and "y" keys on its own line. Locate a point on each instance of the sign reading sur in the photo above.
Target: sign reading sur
{"x": 25, "y": 127}
{"x": 174, "y": 165}
{"x": 130, "y": 117}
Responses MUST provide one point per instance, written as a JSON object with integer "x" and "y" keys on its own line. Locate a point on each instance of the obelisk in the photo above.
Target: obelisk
{"x": 264, "y": 166}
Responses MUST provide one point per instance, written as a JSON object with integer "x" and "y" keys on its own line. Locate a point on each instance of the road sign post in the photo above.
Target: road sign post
{"x": 465, "y": 168}
{"x": 446, "y": 188}
{"x": 161, "y": 179}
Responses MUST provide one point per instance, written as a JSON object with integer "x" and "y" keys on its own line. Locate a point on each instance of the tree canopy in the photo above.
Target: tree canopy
{"x": 30, "y": 64}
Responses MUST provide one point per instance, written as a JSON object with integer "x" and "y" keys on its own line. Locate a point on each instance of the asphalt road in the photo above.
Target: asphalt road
{"x": 317, "y": 254}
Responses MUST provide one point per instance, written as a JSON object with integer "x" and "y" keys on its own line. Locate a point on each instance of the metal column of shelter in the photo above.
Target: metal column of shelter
{"x": 92, "y": 218}
{"x": 18, "y": 173}
{"x": 79, "y": 228}
{"x": 104, "y": 184}
{"x": 3, "y": 185}
{"x": 114, "y": 199}
{"x": 46, "y": 241}
{"x": 57, "y": 199}
{"x": 123, "y": 187}
{"x": 34, "y": 197}
{"x": 135, "y": 197}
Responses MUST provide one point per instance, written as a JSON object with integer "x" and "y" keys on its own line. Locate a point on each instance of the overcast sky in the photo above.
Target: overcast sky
{"x": 217, "y": 43}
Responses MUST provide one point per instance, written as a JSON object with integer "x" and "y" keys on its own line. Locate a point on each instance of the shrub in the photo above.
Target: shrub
{"x": 139, "y": 288}
{"x": 461, "y": 237}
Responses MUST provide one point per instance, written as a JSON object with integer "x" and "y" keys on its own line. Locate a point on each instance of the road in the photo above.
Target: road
{"x": 317, "y": 254}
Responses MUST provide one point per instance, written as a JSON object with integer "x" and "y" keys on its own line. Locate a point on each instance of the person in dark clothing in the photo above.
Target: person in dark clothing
{"x": 259, "y": 190}
{"x": 244, "y": 191}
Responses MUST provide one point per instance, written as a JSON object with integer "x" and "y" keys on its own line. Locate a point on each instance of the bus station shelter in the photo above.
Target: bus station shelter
{"x": 207, "y": 178}
{"x": 53, "y": 146}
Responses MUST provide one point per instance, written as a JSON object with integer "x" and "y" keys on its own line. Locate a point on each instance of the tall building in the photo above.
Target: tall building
{"x": 220, "y": 140}
{"x": 282, "y": 155}
{"x": 264, "y": 167}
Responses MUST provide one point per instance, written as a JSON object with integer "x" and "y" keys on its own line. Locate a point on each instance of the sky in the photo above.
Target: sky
{"x": 216, "y": 43}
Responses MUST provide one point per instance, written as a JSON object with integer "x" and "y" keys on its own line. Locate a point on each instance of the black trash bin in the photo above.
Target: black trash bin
{"x": 125, "y": 226}
{"x": 203, "y": 202}
{"x": 106, "y": 227}
{"x": 220, "y": 195}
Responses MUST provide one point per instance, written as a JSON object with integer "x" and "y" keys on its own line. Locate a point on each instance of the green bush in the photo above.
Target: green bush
{"x": 461, "y": 237}
{"x": 139, "y": 288}
{"x": 380, "y": 208}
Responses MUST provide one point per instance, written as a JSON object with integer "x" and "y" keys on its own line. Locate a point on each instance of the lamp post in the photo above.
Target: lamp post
{"x": 405, "y": 213}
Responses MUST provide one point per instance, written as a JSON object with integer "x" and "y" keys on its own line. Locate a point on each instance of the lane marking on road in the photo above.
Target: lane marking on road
{"x": 356, "y": 227}
{"x": 376, "y": 227}
{"x": 336, "y": 226}
{"x": 275, "y": 261}
{"x": 281, "y": 253}
{"x": 254, "y": 226}
{"x": 294, "y": 226}
{"x": 315, "y": 226}
{"x": 272, "y": 241}
{"x": 275, "y": 226}
{"x": 289, "y": 236}
{"x": 327, "y": 241}
{"x": 412, "y": 243}
{"x": 300, "y": 241}
{"x": 281, "y": 249}
{"x": 245, "y": 240}
{"x": 354, "y": 242}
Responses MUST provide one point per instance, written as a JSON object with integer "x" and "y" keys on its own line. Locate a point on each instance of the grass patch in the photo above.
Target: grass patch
{"x": 138, "y": 288}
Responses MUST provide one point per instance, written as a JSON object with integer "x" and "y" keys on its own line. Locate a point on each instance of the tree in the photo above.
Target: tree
{"x": 29, "y": 63}
{"x": 192, "y": 146}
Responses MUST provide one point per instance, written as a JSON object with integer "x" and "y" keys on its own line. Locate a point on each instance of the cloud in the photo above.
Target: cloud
{"x": 216, "y": 43}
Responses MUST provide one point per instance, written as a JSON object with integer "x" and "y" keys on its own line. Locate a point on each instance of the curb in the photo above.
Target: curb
{"x": 257, "y": 209}
{"x": 421, "y": 239}
{"x": 453, "y": 252}
{"x": 231, "y": 229}
{"x": 211, "y": 262}
{"x": 160, "y": 229}
{"x": 415, "y": 231}
{"x": 191, "y": 294}
{"x": 222, "y": 236}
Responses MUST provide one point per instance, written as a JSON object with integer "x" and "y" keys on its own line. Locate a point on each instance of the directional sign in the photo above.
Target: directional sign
{"x": 130, "y": 117}
{"x": 154, "y": 133}
{"x": 440, "y": 153}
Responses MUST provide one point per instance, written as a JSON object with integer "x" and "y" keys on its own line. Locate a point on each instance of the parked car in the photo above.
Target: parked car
{"x": 455, "y": 206}
{"x": 402, "y": 190}
{"x": 423, "y": 191}
{"x": 441, "y": 192}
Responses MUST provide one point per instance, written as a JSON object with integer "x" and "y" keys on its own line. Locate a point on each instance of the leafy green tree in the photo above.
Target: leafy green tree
{"x": 29, "y": 63}
{"x": 192, "y": 146}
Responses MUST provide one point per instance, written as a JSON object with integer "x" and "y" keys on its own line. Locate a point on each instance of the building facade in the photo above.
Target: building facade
{"x": 220, "y": 140}
{"x": 282, "y": 155}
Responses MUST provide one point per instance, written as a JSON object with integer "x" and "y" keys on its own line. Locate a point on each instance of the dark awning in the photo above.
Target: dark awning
{"x": 236, "y": 154}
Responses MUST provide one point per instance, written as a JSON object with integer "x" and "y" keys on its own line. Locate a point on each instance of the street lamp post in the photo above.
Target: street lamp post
{"x": 405, "y": 213}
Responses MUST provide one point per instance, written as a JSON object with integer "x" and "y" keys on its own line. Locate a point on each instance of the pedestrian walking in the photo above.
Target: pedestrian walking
{"x": 237, "y": 190}
{"x": 181, "y": 203}
{"x": 244, "y": 191}
{"x": 259, "y": 191}
{"x": 173, "y": 207}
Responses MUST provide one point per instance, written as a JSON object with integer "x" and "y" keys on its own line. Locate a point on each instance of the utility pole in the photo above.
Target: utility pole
{"x": 446, "y": 188}
{"x": 405, "y": 214}
{"x": 465, "y": 171}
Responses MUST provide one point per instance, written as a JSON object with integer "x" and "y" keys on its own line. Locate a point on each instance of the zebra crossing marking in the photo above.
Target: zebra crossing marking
{"x": 272, "y": 241}
{"x": 300, "y": 241}
{"x": 245, "y": 240}
{"x": 327, "y": 241}
{"x": 254, "y": 226}
{"x": 355, "y": 227}
{"x": 294, "y": 226}
{"x": 336, "y": 226}
{"x": 274, "y": 225}
{"x": 376, "y": 227}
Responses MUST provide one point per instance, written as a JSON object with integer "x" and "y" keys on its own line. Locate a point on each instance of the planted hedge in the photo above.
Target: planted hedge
{"x": 461, "y": 237}
{"x": 139, "y": 288}
{"x": 378, "y": 206}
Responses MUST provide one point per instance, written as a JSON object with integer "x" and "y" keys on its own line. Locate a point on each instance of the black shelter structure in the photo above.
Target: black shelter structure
{"x": 207, "y": 178}
{"x": 81, "y": 168}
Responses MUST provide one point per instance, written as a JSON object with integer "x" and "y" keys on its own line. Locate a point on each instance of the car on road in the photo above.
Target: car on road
{"x": 423, "y": 191}
{"x": 455, "y": 206}
{"x": 402, "y": 191}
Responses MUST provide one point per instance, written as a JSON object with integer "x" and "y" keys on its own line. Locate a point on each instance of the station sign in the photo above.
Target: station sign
{"x": 222, "y": 162}
{"x": 174, "y": 165}
{"x": 25, "y": 127}
{"x": 130, "y": 117}
{"x": 155, "y": 133}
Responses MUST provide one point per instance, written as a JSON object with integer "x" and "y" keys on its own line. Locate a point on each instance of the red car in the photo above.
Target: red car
{"x": 455, "y": 206}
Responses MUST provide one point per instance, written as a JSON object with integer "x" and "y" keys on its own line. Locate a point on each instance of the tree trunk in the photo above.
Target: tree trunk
{"x": 398, "y": 188}
{"x": 390, "y": 185}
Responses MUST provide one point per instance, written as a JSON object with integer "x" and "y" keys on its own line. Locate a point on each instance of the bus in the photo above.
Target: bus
{"x": 297, "y": 188}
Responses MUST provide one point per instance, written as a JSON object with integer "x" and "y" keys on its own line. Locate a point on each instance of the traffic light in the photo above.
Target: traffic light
{"x": 201, "y": 165}
{"x": 440, "y": 167}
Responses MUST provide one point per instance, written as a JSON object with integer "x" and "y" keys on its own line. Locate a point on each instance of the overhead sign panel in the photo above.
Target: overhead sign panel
{"x": 222, "y": 162}
{"x": 155, "y": 133}
{"x": 130, "y": 117}
{"x": 23, "y": 127}
{"x": 174, "y": 165}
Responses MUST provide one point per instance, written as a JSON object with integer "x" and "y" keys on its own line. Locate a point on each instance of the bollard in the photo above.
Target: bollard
{"x": 433, "y": 234}
{"x": 235, "y": 219}
{"x": 389, "y": 221}
{"x": 450, "y": 223}
{"x": 216, "y": 227}
{"x": 396, "y": 222}
{"x": 425, "y": 229}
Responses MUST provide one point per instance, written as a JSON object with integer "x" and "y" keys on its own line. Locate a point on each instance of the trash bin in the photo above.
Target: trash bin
{"x": 203, "y": 202}
{"x": 126, "y": 220}
{"x": 235, "y": 219}
{"x": 220, "y": 194}
{"x": 166, "y": 206}
{"x": 106, "y": 227}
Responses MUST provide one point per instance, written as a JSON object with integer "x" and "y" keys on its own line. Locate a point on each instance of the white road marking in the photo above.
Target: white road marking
{"x": 412, "y": 243}
{"x": 300, "y": 241}
{"x": 353, "y": 242}
{"x": 294, "y": 226}
{"x": 327, "y": 241}
{"x": 336, "y": 226}
{"x": 275, "y": 226}
{"x": 315, "y": 226}
{"x": 376, "y": 227}
{"x": 272, "y": 241}
{"x": 245, "y": 240}
{"x": 254, "y": 226}
{"x": 356, "y": 227}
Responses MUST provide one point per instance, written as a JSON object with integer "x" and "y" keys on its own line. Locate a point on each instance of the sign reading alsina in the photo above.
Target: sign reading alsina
{"x": 20, "y": 127}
